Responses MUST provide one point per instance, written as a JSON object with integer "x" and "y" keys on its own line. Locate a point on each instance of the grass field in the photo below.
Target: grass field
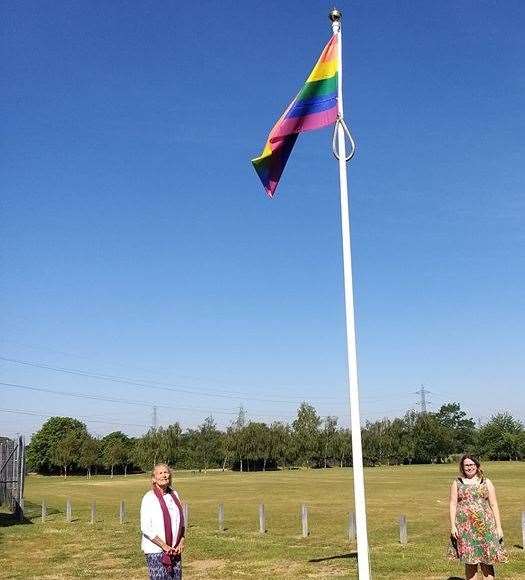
{"x": 57, "y": 549}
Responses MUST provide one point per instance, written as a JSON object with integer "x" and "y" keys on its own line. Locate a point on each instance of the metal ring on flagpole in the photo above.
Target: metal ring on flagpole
{"x": 350, "y": 138}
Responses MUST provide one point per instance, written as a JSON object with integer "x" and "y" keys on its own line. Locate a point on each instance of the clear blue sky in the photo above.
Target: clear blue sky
{"x": 137, "y": 240}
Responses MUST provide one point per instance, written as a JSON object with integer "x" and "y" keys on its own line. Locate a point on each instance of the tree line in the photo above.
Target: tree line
{"x": 64, "y": 445}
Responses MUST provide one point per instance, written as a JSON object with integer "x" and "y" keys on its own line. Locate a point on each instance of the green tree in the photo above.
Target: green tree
{"x": 145, "y": 450}
{"x": 257, "y": 444}
{"x": 116, "y": 448}
{"x": 377, "y": 442}
{"x": 228, "y": 446}
{"x": 89, "y": 455}
{"x": 389, "y": 441}
{"x": 66, "y": 452}
{"x": 281, "y": 443}
{"x": 432, "y": 441}
{"x": 306, "y": 434}
{"x": 343, "y": 446}
{"x": 501, "y": 438}
{"x": 236, "y": 439}
{"x": 160, "y": 445}
{"x": 206, "y": 445}
{"x": 263, "y": 448}
{"x": 328, "y": 436}
{"x": 170, "y": 443}
{"x": 41, "y": 451}
{"x": 461, "y": 428}
{"x": 400, "y": 443}
{"x": 410, "y": 420}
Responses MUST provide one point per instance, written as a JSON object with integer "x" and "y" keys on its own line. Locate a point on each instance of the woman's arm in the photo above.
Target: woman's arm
{"x": 179, "y": 548}
{"x": 146, "y": 526}
{"x": 161, "y": 544}
{"x": 494, "y": 506}
{"x": 452, "y": 505}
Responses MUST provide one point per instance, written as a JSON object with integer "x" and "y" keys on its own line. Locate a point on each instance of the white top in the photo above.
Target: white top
{"x": 152, "y": 521}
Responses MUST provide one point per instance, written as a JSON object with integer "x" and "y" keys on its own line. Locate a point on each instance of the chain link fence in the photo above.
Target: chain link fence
{"x": 12, "y": 473}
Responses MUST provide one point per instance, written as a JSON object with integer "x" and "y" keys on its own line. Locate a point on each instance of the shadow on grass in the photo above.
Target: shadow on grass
{"x": 34, "y": 510}
{"x": 455, "y": 578}
{"x": 519, "y": 546}
{"x": 336, "y": 557}
{"x": 7, "y": 520}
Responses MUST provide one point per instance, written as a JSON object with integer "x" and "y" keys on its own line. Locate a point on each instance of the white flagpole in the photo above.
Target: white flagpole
{"x": 363, "y": 565}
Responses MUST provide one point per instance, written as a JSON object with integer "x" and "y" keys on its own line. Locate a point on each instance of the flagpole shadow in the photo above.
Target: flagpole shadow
{"x": 336, "y": 557}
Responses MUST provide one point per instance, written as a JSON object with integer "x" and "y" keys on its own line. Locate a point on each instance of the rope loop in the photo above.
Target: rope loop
{"x": 350, "y": 139}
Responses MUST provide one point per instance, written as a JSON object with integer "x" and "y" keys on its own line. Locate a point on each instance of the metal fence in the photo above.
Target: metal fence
{"x": 12, "y": 473}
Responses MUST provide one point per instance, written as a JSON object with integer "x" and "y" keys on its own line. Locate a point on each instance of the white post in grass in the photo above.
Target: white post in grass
{"x": 186, "y": 512}
{"x": 262, "y": 519}
{"x": 523, "y": 530}
{"x": 44, "y": 510}
{"x": 93, "y": 512}
{"x": 363, "y": 565}
{"x": 304, "y": 520}
{"x": 221, "y": 517}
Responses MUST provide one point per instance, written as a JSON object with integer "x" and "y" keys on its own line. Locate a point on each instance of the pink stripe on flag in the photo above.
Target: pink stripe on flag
{"x": 306, "y": 123}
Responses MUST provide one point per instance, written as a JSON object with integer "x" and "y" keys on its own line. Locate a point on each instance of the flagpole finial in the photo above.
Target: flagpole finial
{"x": 335, "y": 15}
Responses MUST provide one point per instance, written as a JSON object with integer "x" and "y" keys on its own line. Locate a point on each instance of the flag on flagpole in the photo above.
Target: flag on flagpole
{"x": 315, "y": 106}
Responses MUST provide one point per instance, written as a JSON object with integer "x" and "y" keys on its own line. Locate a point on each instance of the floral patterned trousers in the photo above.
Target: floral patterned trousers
{"x": 157, "y": 570}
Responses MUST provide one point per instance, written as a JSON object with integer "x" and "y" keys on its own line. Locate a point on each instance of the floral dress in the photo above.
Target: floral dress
{"x": 478, "y": 541}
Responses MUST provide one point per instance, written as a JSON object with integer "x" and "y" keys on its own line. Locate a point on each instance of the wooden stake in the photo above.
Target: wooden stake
{"x": 304, "y": 520}
{"x": 403, "y": 533}
{"x": 351, "y": 526}
{"x": 523, "y": 530}
{"x": 221, "y": 517}
{"x": 262, "y": 519}
{"x": 122, "y": 511}
{"x": 69, "y": 510}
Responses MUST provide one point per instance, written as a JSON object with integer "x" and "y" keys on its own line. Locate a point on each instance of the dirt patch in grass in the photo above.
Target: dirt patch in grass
{"x": 205, "y": 565}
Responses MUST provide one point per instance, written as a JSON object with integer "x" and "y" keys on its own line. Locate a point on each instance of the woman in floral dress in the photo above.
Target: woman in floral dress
{"x": 476, "y": 532}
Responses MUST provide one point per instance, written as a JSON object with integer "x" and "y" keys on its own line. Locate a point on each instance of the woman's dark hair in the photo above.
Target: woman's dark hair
{"x": 474, "y": 460}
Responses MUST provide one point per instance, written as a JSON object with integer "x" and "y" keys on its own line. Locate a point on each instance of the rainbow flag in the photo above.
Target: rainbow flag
{"x": 314, "y": 107}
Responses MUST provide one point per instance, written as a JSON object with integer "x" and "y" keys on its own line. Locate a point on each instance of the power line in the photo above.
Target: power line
{"x": 159, "y": 385}
{"x": 104, "y": 398}
{"x": 116, "y": 400}
{"x": 86, "y": 419}
{"x": 217, "y": 381}
{"x": 173, "y": 388}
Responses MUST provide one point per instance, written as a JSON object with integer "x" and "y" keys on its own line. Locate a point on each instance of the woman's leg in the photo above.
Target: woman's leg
{"x": 471, "y": 571}
{"x": 177, "y": 569}
{"x": 488, "y": 571}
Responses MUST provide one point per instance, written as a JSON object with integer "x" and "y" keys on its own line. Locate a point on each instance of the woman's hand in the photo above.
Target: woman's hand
{"x": 499, "y": 531}
{"x": 454, "y": 532}
{"x": 179, "y": 548}
{"x": 167, "y": 549}
{"x": 176, "y": 550}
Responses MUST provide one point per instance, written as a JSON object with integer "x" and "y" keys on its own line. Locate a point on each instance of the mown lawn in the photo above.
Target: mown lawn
{"x": 56, "y": 549}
